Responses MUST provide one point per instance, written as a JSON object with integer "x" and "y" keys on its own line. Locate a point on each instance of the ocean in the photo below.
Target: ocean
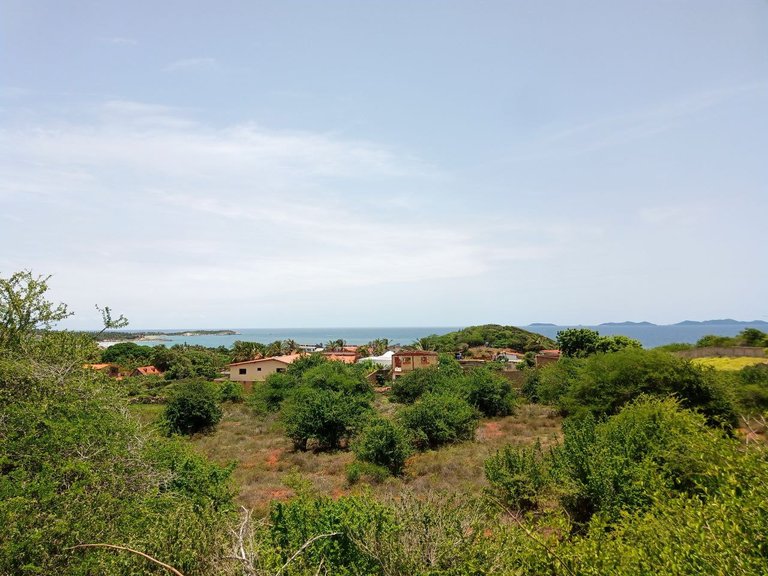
{"x": 649, "y": 336}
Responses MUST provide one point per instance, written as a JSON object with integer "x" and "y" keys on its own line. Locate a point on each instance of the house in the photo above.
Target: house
{"x": 146, "y": 371}
{"x": 252, "y": 371}
{"x": 346, "y": 356}
{"x": 112, "y": 370}
{"x": 544, "y": 357}
{"x": 407, "y": 360}
{"x": 509, "y": 356}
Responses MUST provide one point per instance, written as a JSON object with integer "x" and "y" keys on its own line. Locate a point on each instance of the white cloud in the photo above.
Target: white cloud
{"x": 146, "y": 206}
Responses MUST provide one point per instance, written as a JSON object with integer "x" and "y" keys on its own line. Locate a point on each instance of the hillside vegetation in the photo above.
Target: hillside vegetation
{"x": 450, "y": 474}
{"x": 494, "y": 335}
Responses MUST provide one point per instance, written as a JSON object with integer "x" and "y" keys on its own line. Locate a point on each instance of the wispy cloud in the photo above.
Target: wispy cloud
{"x": 619, "y": 129}
{"x": 239, "y": 211}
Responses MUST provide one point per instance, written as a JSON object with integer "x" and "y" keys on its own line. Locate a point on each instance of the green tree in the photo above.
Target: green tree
{"x": 323, "y": 415}
{"x": 490, "y": 392}
{"x": 384, "y": 443}
{"x": 438, "y": 419}
{"x": 578, "y": 342}
{"x": 24, "y": 308}
{"x": 192, "y": 407}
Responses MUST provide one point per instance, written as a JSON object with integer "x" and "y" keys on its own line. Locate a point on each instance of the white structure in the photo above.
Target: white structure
{"x": 385, "y": 360}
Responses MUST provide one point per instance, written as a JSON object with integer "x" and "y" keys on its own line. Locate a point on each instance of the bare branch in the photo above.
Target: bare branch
{"x": 147, "y": 556}
{"x": 304, "y": 547}
{"x": 533, "y": 537}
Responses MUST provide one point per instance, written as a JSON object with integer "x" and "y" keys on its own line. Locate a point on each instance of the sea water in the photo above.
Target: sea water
{"x": 649, "y": 335}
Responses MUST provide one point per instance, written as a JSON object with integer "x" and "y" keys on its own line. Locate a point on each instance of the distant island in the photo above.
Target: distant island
{"x": 721, "y": 322}
{"x": 627, "y": 323}
{"x": 542, "y": 324}
{"x": 156, "y": 335}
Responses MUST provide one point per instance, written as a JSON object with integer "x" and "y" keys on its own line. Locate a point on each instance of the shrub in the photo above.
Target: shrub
{"x": 652, "y": 447}
{"x": 517, "y": 475}
{"x": 336, "y": 376}
{"x": 490, "y": 393}
{"x": 603, "y": 383}
{"x": 373, "y": 472}
{"x": 438, "y": 419}
{"x": 231, "y": 392}
{"x": 192, "y": 407}
{"x": 411, "y": 386}
{"x": 325, "y": 416}
{"x": 383, "y": 443}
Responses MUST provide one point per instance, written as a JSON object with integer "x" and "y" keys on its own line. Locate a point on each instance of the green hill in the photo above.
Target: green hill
{"x": 493, "y": 335}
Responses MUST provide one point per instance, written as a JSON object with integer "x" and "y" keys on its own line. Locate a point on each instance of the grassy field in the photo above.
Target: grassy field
{"x": 267, "y": 463}
{"x": 729, "y": 363}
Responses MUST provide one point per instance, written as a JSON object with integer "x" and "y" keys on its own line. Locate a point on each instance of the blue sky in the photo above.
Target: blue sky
{"x": 372, "y": 163}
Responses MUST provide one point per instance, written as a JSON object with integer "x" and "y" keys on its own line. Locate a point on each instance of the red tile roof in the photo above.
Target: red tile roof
{"x": 148, "y": 370}
{"x": 286, "y": 359}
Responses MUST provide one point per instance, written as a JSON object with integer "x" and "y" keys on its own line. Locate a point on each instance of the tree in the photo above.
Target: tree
{"x": 384, "y": 443}
{"x": 438, "y": 419}
{"x": 24, "y": 308}
{"x": 325, "y": 416}
{"x": 193, "y": 407}
{"x": 490, "y": 393}
{"x": 578, "y": 342}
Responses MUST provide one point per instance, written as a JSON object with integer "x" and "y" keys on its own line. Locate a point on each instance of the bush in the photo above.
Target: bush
{"x": 231, "y": 392}
{"x": 383, "y": 443}
{"x": 373, "y": 472}
{"x": 652, "y": 447}
{"x": 325, "y": 416}
{"x": 412, "y": 385}
{"x": 193, "y": 406}
{"x": 603, "y": 383}
{"x": 517, "y": 475}
{"x": 490, "y": 393}
{"x": 438, "y": 419}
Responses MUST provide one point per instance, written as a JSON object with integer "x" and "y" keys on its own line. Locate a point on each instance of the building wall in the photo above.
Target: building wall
{"x": 256, "y": 371}
{"x": 407, "y": 362}
{"x": 730, "y": 352}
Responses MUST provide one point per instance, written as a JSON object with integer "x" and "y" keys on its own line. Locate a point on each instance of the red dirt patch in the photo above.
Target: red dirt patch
{"x": 274, "y": 457}
{"x": 490, "y": 430}
{"x": 281, "y": 494}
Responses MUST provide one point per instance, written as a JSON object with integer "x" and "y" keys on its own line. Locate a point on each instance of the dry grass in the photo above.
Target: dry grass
{"x": 729, "y": 363}
{"x": 266, "y": 460}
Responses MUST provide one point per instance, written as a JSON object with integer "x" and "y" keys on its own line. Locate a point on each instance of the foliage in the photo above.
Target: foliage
{"x": 583, "y": 342}
{"x": 728, "y": 362}
{"x": 652, "y": 446}
{"x": 192, "y": 407}
{"x": 490, "y": 392}
{"x": 182, "y": 361}
{"x": 24, "y": 308}
{"x": 489, "y": 334}
{"x": 409, "y": 387}
{"x": 231, "y": 392}
{"x": 517, "y": 475}
{"x": 675, "y": 347}
{"x": 293, "y": 523}
{"x": 75, "y": 469}
{"x": 128, "y": 354}
{"x": 384, "y": 443}
{"x": 322, "y": 415}
{"x": 747, "y": 337}
{"x": 438, "y": 419}
{"x": 602, "y": 383}
{"x": 371, "y": 472}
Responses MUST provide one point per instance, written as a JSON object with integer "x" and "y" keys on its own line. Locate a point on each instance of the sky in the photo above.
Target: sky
{"x": 299, "y": 163}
